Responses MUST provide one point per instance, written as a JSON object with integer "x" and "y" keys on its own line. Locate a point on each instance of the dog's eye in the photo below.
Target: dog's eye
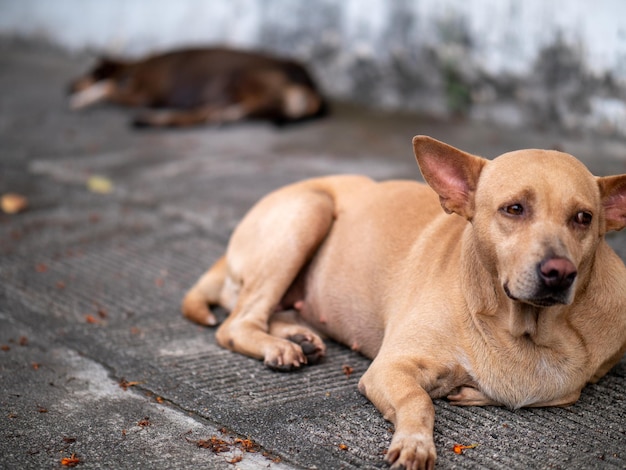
{"x": 514, "y": 209}
{"x": 583, "y": 218}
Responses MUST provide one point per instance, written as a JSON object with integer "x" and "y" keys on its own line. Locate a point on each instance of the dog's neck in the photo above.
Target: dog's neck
{"x": 490, "y": 307}
{"x": 523, "y": 319}
{"x": 482, "y": 293}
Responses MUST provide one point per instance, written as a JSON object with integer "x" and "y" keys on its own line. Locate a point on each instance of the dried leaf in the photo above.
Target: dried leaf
{"x": 347, "y": 370}
{"x": 99, "y": 184}
{"x": 236, "y": 459}
{"x": 12, "y": 203}
{"x": 247, "y": 445}
{"x": 144, "y": 422}
{"x": 214, "y": 443}
{"x": 124, "y": 384}
{"x": 91, "y": 319}
{"x": 343, "y": 447}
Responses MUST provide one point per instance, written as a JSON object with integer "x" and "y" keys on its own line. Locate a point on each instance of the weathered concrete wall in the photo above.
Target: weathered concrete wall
{"x": 532, "y": 63}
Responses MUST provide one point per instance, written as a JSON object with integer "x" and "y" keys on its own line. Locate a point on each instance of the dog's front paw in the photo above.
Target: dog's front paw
{"x": 284, "y": 356}
{"x": 412, "y": 452}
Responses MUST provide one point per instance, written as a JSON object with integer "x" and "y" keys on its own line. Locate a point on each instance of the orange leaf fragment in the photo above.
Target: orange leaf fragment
{"x": 124, "y": 384}
{"x": 70, "y": 461}
{"x": 343, "y": 447}
{"x": 246, "y": 445}
{"x": 459, "y": 448}
{"x": 347, "y": 370}
{"x": 236, "y": 459}
{"x": 91, "y": 319}
{"x": 12, "y": 203}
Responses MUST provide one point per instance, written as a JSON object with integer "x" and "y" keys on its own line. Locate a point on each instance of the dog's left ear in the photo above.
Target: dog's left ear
{"x": 452, "y": 173}
{"x": 613, "y": 193}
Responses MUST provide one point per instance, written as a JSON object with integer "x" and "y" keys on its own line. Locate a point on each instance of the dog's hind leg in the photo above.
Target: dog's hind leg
{"x": 206, "y": 291}
{"x": 190, "y": 117}
{"x": 172, "y": 118}
{"x": 470, "y": 396}
{"x": 267, "y": 251}
{"x": 285, "y": 324}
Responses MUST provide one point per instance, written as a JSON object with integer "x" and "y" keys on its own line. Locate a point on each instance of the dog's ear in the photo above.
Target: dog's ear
{"x": 108, "y": 68}
{"x": 452, "y": 173}
{"x": 613, "y": 193}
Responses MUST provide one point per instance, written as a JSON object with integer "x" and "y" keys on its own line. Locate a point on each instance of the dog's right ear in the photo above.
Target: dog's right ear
{"x": 452, "y": 173}
{"x": 613, "y": 193}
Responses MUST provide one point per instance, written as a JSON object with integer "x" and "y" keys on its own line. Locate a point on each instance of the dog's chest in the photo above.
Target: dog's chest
{"x": 527, "y": 374}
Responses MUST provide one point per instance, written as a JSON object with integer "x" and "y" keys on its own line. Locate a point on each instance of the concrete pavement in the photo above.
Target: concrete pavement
{"x": 96, "y": 363}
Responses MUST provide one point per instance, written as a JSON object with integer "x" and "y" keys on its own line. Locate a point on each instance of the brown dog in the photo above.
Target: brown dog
{"x": 198, "y": 86}
{"x": 517, "y": 302}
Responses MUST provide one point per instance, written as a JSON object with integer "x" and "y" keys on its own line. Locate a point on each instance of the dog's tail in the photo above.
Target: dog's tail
{"x": 205, "y": 292}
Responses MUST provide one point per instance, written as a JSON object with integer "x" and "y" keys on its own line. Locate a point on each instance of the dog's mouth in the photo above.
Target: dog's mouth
{"x": 542, "y": 301}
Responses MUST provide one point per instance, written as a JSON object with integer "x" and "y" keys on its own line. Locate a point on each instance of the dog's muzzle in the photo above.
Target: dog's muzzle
{"x": 555, "y": 277}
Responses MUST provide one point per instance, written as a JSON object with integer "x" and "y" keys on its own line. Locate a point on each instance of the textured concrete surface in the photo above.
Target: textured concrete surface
{"x": 97, "y": 362}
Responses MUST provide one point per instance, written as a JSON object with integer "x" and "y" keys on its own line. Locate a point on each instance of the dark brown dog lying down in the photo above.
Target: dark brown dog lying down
{"x": 516, "y": 300}
{"x": 197, "y": 86}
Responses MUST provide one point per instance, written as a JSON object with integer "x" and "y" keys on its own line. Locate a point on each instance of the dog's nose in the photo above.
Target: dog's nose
{"x": 557, "y": 273}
